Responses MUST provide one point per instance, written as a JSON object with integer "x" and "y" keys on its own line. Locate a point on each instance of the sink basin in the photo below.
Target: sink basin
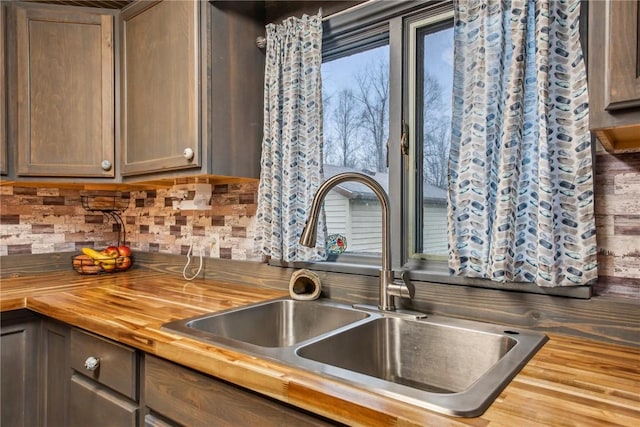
{"x": 279, "y": 323}
{"x": 454, "y": 366}
{"x": 425, "y": 356}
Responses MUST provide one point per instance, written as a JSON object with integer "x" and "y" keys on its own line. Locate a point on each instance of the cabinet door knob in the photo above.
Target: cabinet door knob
{"x": 92, "y": 363}
{"x": 188, "y": 153}
{"x": 105, "y": 165}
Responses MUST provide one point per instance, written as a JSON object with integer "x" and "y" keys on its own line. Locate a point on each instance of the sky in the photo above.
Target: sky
{"x": 439, "y": 59}
{"x": 340, "y": 73}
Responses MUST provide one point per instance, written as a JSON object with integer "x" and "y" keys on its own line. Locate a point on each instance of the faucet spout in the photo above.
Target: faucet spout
{"x": 388, "y": 287}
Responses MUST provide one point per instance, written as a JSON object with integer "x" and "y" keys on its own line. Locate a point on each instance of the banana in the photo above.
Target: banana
{"x": 98, "y": 257}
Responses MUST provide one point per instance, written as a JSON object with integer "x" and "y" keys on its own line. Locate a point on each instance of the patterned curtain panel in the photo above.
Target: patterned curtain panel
{"x": 521, "y": 179}
{"x": 291, "y": 165}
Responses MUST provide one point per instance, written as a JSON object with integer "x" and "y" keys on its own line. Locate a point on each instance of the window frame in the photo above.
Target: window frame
{"x": 415, "y": 27}
{"x": 372, "y": 24}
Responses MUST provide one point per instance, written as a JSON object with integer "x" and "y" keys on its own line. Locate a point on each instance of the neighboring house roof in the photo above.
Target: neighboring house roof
{"x": 355, "y": 190}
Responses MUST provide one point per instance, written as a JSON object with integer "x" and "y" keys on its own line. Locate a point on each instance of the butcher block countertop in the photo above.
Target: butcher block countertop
{"x": 570, "y": 381}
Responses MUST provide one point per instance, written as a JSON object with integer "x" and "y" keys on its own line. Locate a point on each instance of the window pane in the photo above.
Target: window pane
{"x": 434, "y": 86}
{"x": 355, "y": 92}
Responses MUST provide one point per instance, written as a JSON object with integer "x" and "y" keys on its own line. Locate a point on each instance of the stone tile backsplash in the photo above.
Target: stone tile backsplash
{"x": 43, "y": 220}
{"x": 37, "y": 220}
{"x": 617, "y": 209}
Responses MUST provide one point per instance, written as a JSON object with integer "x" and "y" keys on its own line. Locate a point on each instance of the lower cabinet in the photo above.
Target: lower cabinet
{"x": 56, "y": 375}
{"x": 91, "y": 404}
{"x": 103, "y": 389}
{"x": 175, "y": 395}
{"x": 19, "y": 333}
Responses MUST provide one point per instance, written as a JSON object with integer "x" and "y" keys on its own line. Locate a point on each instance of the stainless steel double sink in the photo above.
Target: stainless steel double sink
{"x": 453, "y": 366}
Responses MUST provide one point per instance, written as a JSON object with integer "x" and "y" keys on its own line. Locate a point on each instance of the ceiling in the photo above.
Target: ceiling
{"x": 275, "y": 9}
{"x": 105, "y": 4}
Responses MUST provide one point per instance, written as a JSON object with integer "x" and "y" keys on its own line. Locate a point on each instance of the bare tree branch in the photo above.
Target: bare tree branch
{"x": 373, "y": 94}
{"x": 436, "y": 133}
{"x": 346, "y": 123}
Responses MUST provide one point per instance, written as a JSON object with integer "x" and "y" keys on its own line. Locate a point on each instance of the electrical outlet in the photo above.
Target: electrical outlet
{"x": 206, "y": 246}
{"x": 214, "y": 245}
{"x": 198, "y": 250}
{"x": 199, "y": 246}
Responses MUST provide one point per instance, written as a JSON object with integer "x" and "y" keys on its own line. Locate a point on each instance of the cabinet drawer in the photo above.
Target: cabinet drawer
{"x": 117, "y": 368}
{"x": 152, "y": 420}
{"x": 96, "y": 406}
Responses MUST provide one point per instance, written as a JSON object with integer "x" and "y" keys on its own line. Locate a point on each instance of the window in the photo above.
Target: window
{"x": 355, "y": 96}
{"x": 412, "y": 44}
{"x": 431, "y": 87}
{"x": 358, "y": 97}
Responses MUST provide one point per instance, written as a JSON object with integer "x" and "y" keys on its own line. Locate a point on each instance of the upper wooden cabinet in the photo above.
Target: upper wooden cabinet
{"x": 614, "y": 73}
{"x": 3, "y": 114}
{"x": 191, "y": 90}
{"x": 185, "y": 98}
{"x": 62, "y": 91}
{"x": 160, "y": 71}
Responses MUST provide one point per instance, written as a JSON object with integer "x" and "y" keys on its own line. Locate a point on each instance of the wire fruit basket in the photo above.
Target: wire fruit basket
{"x": 111, "y": 204}
{"x": 84, "y": 264}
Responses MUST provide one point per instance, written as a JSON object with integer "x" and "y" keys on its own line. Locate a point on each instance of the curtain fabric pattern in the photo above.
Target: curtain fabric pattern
{"x": 291, "y": 163}
{"x": 521, "y": 180}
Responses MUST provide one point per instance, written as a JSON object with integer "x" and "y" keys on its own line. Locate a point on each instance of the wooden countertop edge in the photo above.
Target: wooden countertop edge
{"x": 306, "y": 390}
{"x": 332, "y": 399}
{"x": 13, "y": 304}
{"x": 354, "y": 406}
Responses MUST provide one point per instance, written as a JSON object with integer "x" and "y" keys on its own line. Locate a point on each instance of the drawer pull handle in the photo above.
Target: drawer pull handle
{"x": 92, "y": 363}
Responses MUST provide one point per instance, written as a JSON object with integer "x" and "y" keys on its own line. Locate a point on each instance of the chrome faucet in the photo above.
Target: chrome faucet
{"x": 389, "y": 288}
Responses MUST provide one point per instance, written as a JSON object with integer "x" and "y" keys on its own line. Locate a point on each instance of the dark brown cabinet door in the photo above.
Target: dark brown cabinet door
{"x": 64, "y": 91}
{"x": 614, "y": 73}
{"x": 623, "y": 70}
{"x": 55, "y": 373}
{"x": 19, "y": 369}
{"x": 3, "y": 114}
{"x": 191, "y": 89}
{"x": 160, "y": 97}
{"x": 190, "y": 398}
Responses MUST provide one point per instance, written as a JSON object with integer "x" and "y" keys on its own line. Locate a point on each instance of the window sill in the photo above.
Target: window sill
{"x": 425, "y": 271}
{"x": 365, "y": 265}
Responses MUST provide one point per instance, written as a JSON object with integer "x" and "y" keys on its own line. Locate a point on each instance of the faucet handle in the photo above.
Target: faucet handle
{"x": 411, "y": 288}
{"x": 408, "y": 283}
{"x": 404, "y": 288}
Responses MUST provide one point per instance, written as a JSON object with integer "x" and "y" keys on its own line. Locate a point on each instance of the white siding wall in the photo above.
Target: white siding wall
{"x": 337, "y": 214}
{"x": 435, "y": 230}
{"x": 361, "y": 223}
{"x": 366, "y": 227}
